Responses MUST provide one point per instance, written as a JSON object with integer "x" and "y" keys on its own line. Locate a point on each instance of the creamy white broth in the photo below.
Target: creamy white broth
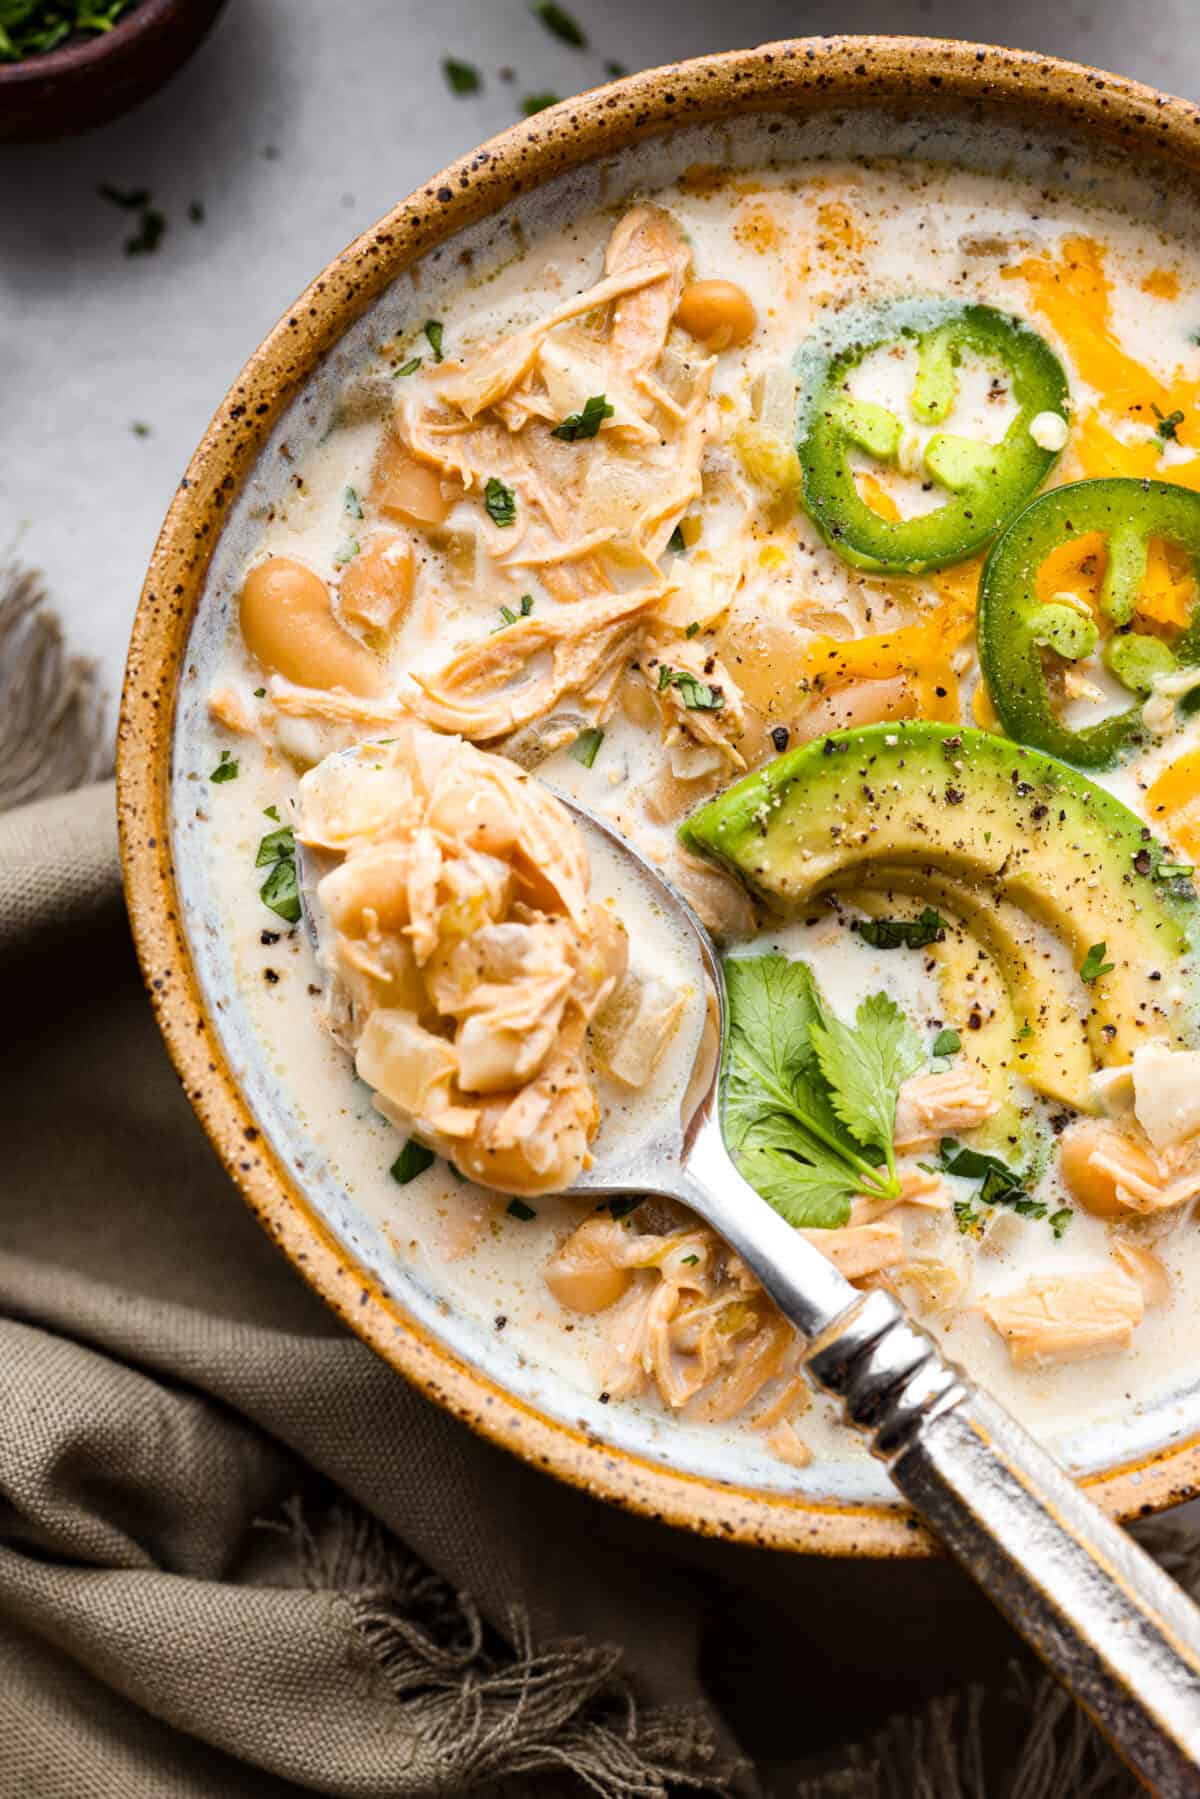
{"x": 765, "y": 231}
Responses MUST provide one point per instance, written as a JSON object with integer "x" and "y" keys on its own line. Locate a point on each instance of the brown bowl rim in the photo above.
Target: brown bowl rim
{"x": 801, "y": 75}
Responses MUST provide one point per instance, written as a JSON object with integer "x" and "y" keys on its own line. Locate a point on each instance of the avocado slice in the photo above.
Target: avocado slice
{"x": 969, "y": 992}
{"x": 1009, "y": 827}
{"x": 1049, "y": 1004}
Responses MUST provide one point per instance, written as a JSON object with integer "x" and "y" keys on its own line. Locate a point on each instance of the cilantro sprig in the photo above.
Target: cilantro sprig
{"x": 809, "y": 1102}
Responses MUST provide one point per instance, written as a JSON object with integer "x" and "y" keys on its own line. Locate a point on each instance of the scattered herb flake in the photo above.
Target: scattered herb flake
{"x": 690, "y": 1261}
{"x": 433, "y": 329}
{"x": 517, "y": 1208}
{"x": 1168, "y": 425}
{"x": 131, "y": 199}
{"x": 461, "y": 77}
{"x": 696, "y": 694}
{"x": 535, "y": 103}
{"x": 196, "y": 212}
{"x": 268, "y": 811}
{"x": 560, "y": 24}
{"x": 150, "y": 232}
{"x": 675, "y": 541}
{"x": 946, "y": 1043}
{"x": 413, "y": 1160}
{"x": 586, "y": 746}
{"x": 616, "y": 71}
{"x": 586, "y": 423}
{"x": 280, "y": 892}
{"x": 1058, "y": 1221}
{"x": 509, "y": 617}
{"x": 902, "y": 933}
{"x": 1094, "y": 965}
{"x": 276, "y": 846}
{"x": 501, "y": 503}
{"x": 408, "y": 368}
{"x": 692, "y": 630}
{"x": 352, "y": 503}
{"x": 346, "y": 552}
{"x": 140, "y": 428}
{"x": 226, "y": 769}
{"x": 260, "y": 693}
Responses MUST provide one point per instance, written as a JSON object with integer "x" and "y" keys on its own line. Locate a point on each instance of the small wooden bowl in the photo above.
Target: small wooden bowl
{"x": 89, "y": 80}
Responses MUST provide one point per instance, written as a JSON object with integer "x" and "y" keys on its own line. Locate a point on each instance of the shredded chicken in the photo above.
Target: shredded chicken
{"x": 1067, "y": 1317}
{"x": 589, "y": 648}
{"x": 465, "y": 958}
{"x": 931, "y": 1106}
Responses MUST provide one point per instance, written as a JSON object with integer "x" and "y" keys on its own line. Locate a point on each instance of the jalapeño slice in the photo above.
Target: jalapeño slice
{"x": 984, "y": 484}
{"x": 1014, "y": 625}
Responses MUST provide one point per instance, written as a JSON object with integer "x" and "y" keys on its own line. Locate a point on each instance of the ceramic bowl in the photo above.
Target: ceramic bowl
{"x": 951, "y": 102}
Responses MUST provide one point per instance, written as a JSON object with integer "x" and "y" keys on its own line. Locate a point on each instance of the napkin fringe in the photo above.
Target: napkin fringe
{"x": 483, "y": 1709}
{"x": 52, "y": 729}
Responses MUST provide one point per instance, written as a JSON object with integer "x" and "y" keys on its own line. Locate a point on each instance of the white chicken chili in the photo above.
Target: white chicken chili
{"x": 829, "y": 530}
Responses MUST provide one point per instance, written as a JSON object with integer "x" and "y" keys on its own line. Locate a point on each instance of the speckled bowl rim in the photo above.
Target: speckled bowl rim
{"x": 801, "y": 76}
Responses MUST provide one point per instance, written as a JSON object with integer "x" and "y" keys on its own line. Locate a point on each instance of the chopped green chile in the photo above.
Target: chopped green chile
{"x": 1065, "y": 630}
{"x": 985, "y": 484}
{"x": 1137, "y": 661}
{"x": 1012, "y": 621}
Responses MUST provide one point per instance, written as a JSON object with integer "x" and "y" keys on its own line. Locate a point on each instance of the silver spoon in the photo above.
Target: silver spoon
{"x": 1114, "y": 1629}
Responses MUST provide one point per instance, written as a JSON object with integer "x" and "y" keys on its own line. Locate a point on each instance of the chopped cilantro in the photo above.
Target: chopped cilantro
{"x": 433, "y": 329}
{"x": 501, "y": 502}
{"x": 675, "y": 541}
{"x": 1025, "y": 1031}
{"x": 1168, "y": 426}
{"x": 946, "y": 1043}
{"x": 690, "y": 1261}
{"x": 413, "y": 1160}
{"x": 346, "y": 552}
{"x": 259, "y": 694}
{"x": 140, "y": 428}
{"x": 903, "y": 933}
{"x": 151, "y": 229}
{"x": 196, "y": 212}
{"x": 276, "y": 846}
{"x": 461, "y": 77}
{"x": 535, "y": 103}
{"x": 1058, "y": 1221}
{"x": 131, "y": 199}
{"x": 226, "y": 769}
{"x": 585, "y": 747}
{"x": 586, "y": 423}
{"x": 1094, "y": 965}
{"x": 280, "y": 892}
{"x": 615, "y": 70}
{"x": 408, "y": 368}
{"x": 696, "y": 694}
{"x": 268, "y": 812}
{"x": 517, "y": 1208}
{"x": 352, "y": 503}
{"x": 560, "y": 24}
{"x": 33, "y": 27}
{"x": 509, "y": 617}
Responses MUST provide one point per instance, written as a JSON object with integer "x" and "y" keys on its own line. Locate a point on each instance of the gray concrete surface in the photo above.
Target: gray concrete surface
{"x": 296, "y": 125}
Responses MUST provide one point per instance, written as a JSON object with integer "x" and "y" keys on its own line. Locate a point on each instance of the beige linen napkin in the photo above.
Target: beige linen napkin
{"x": 239, "y": 1556}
